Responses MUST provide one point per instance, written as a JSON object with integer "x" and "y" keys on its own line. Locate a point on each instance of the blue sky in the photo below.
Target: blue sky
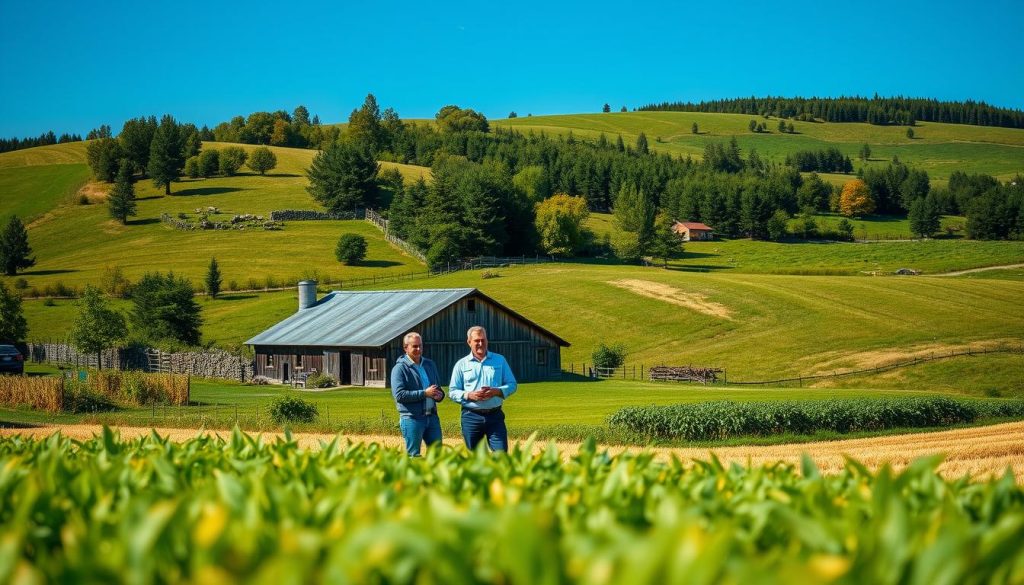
{"x": 71, "y": 66}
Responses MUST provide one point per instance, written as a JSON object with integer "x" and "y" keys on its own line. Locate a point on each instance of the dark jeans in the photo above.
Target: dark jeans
{"x": 492, "y": 425}
{"x": 416, "y": 429}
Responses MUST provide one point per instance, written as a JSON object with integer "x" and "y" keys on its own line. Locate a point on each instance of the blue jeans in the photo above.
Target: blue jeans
{"x": 492, "y": 425}
{"x": 416, "y": 429}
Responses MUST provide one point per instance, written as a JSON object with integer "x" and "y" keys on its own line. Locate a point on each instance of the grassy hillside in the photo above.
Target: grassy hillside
{"x": 937, "y": 148}
{"x": 74, "y": 243}
{"x": 756, "y": 326}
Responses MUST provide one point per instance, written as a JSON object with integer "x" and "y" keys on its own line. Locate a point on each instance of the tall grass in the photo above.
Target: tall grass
{"x": 41, "y": 393}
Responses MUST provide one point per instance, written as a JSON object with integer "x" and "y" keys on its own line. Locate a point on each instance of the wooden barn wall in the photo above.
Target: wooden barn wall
{"x": 299, "y": 359}
{"x": 444, "y": 341}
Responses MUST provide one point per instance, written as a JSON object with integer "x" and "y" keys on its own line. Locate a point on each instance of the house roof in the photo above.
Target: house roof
{"x": 695, "y": 225}
{"x": 369, "y": 318}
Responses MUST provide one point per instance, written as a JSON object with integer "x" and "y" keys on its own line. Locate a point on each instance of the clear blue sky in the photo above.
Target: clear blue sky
{"x": 71, "y": 66}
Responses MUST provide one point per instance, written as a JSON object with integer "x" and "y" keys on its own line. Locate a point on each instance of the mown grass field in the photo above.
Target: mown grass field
{"x": 756, "y": 326}
{"x": 937, "y": 148}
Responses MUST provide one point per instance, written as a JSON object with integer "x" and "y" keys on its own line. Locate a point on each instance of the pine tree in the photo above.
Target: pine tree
{"x": 606, "y": 108}
{"x": 343, "y": 177}
{"x": 641, "y": 144}
{"x": 121, "y": 200}
{"x": 13, "y": 326}
{"x": 666, "y": 243}
{"x": 14, "y": 248}
{"x": 694, "y": 129}
{"x": 619, "y": 145}
{"x": 213, "y": 279}
{"x": 364, "y": 125}
{"x": 165, "y": 154}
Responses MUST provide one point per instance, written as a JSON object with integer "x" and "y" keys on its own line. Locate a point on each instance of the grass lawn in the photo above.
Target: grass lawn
{"x": 883, "y": 227}
{"x": 937, "y": 148}
{"x": 541, "y": 407}
{"x": 29, "y": 192}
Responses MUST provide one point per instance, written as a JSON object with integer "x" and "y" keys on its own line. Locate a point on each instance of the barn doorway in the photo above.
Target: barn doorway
{"x": 285, "y": 377}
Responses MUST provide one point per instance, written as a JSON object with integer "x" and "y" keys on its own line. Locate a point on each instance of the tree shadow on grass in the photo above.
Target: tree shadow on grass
{"x": 231, "y": 297}
{"x": 207, "y": 191}
{"x": 378, "y": 263}
{"x": 567, "y": 377}
{"x": 46, "y": 272}
{"x": 286, "y": 175}
{"x": 144, "y": 221}
{"x": 695, "y": 268}
{"x": 7, "y": 424}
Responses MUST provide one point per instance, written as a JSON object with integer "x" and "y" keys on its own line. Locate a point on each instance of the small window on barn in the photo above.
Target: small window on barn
{"x": 298, "y": 360}
{"x": 471, "y": 305}
{"x": 270, "y": 361}
{"x": 542, "y": 356}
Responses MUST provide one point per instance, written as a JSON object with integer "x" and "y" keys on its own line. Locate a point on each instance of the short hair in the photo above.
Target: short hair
{"x": 409, "y": 335}
{"x": 469, "y": 333}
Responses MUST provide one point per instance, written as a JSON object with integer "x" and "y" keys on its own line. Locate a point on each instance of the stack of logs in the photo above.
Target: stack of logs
{"x": 684, "y": 374}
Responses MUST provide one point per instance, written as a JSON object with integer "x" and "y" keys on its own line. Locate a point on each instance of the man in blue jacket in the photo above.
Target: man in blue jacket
{"x": 416, "y": 387}
{"x": 481, "y": 382}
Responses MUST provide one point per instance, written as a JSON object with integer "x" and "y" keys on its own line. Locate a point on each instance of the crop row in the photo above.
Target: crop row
{"x": 216, "y": 511}
{"x": 724, "y": 419}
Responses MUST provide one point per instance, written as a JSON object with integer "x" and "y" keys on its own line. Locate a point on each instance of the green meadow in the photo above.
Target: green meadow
{"x": 937, "y": 148}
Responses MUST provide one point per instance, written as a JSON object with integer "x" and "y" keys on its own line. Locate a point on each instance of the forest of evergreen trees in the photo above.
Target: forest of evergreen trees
{"x": 875, "y": 110}
{"x": 45, "y": 139}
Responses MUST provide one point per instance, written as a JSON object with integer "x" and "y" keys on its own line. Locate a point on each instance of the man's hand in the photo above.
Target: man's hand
{"x": 434, "y": 392}
{"x": 483, "y": 393}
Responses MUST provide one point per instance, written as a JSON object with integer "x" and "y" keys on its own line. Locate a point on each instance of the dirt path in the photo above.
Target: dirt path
{"x": 979, "y": 451}
{"x": 983, "y": 269}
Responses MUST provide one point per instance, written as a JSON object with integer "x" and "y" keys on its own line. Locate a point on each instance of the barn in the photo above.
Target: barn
{"x": 356, "y": 336}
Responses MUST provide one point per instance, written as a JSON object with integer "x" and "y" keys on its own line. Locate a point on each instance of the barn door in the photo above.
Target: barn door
{"x": 332, "y": 365}
{"x": 357, "y": 368}
{"x": 376, "y": 371}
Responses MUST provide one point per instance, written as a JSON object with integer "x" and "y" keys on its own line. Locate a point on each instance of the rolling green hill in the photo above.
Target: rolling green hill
{"x": 937, "y": 148}
{"x": 756, "y": 326}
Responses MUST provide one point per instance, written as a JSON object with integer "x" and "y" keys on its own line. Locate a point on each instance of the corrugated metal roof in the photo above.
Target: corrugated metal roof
{"x": 360, "y": 318}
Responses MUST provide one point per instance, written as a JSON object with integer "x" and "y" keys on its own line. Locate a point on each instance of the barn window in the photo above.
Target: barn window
{"x": 471, "y": 305}
{"x": 270, "y": 361}
{"x": 298, "y": 360}
{"x": 542, "y": 356}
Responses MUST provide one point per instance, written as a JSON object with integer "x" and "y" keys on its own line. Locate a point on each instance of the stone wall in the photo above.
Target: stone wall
{"x": 201, "y": 364}
{"x": 311, "y": 215}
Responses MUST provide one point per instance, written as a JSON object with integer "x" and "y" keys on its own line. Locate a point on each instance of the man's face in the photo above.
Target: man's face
{"x": 414, "y": 348}
{"x": 478, "y": 344}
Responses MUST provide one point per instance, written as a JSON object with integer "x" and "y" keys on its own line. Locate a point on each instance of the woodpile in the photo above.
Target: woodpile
{"x": 684, "y": 374}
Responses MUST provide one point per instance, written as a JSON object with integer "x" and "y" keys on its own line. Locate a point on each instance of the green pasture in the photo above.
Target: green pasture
{"x": 883, "y": 227}
{"x": 31, "y": 191}
{"x": 757, "y": 327}
{"x": 839, "y": 258}
{"x": 937, "y": 148}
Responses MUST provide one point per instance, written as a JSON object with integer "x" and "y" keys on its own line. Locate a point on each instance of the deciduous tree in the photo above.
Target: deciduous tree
{"x": 351, "y": 249}
{"x": 855, "y": 199}
{"x": 97, "y": 326}
{"x": 262, "y": 159}
{"x": 164, "y": 308}
{"x": 665, "y": 242}
{"x": 561, "y": 223}
{"x": 230, "y": 159}
{"x": 925, "y": 218}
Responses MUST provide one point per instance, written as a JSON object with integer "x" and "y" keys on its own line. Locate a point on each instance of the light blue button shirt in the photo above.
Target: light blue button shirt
{"x": 428, "y": 406}
{"x": 471, "y": 374}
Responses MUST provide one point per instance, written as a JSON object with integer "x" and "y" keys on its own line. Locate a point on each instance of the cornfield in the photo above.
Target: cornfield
{"x": 212, "y": 510}
{"x": 38, "y": 392}
{"x": 140, "y": 388}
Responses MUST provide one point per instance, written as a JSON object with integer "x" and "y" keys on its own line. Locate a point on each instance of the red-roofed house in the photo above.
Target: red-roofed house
{"x": 693, "y": 230}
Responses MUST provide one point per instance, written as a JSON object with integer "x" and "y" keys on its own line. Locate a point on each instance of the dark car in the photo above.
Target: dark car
{"x": 11, "y": 360}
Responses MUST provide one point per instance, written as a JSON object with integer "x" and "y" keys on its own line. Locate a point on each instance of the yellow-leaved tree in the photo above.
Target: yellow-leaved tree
{"x": 856, "y": 199}
{"x": 561, "y": 223}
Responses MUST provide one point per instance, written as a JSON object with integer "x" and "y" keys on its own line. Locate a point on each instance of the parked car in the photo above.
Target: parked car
{"x": 11, "y": 360}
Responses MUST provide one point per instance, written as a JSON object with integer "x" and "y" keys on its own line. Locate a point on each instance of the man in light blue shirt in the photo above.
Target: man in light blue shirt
{"x": 481, "y": 382}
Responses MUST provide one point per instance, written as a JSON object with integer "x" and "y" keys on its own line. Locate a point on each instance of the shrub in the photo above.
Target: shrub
{"x": 351, "y": 248}
{"x": 231, "y": 159}
{"x": 262, "y": 159}
{"x": 192, "y": 167}
{"x": 209, "y": 163}
{"x": 259, "y": 381}
{"x": 292, "y": 409}
{"x": 605, "y": 356}
{"x": 321, "y": 381}
{"x": 82, "y": 400}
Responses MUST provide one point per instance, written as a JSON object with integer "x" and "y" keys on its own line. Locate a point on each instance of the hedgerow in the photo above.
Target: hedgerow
{"x": 724, "y": 419}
